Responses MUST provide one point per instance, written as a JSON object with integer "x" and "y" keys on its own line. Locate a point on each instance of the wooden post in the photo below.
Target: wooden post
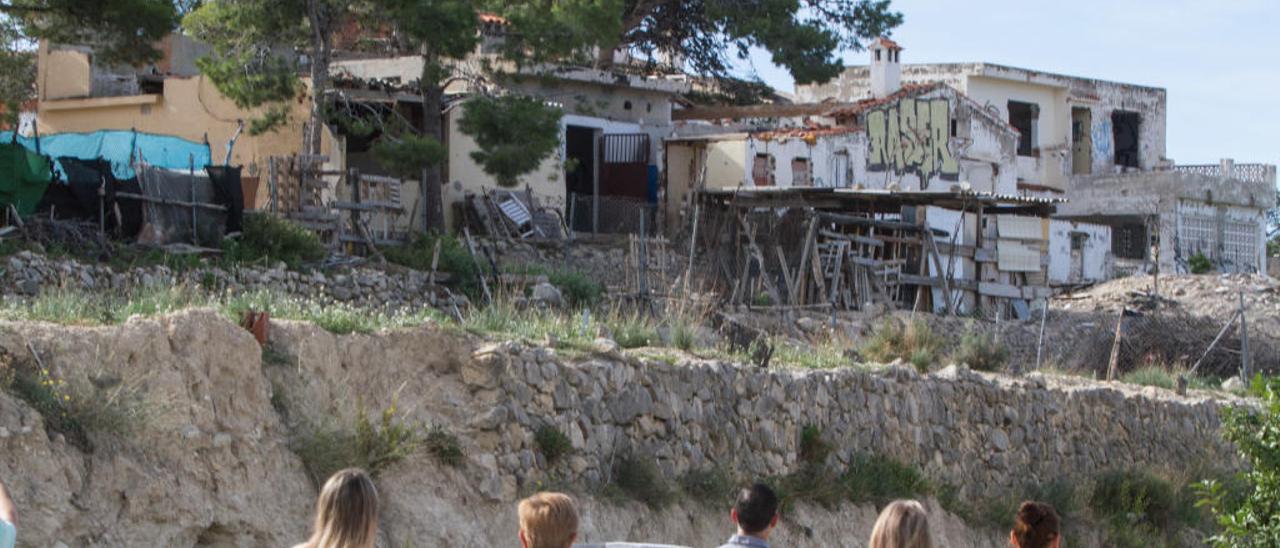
{"x": 471, "y": 246}
{"x": 693, "y": 244}
{"x": 1114, "y": 365}
{"x": 272, "y": 183}
{"x": 1246, "y": 364}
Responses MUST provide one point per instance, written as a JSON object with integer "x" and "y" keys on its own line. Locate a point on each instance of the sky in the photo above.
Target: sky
{"x": 1218, "y": 61}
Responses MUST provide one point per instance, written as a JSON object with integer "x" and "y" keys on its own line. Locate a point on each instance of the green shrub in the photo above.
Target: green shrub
{"x": 632, "y": 330}
{"x": 639, "y": 478}
{"x": 1251, "y": 518}
{"x": 1200, "y": 264}
{"x": 912, "y": 341}
{"x": 813, "y": 449}
{"x": 372, "y": 446}
{"x": 578, "y": 288}
{"x": 1151, "y": 376}
{"x": 95, "y": 403}
{"x": 454, "y": 259}
{"x": 267, "y": 239}
{"x": 713, "y": 485}
{"x": 980, "y": 352}
{"x": 443, "y": 446}
{"x": 880, "y": 479}
{"x": 1139, "y": 508}
{"x": 552, "y": 443}
{"x": 809, "y": 483}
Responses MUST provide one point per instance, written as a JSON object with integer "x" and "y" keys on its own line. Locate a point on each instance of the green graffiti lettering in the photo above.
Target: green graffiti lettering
{"x": 941, "y": 153}
{"x": 911, "y": 139}
{"x": 875, "y": 131}
{"x": 893, "y": 142}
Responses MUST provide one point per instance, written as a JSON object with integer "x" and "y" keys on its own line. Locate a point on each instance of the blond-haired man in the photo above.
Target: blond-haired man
{"x": 548, "y": 520}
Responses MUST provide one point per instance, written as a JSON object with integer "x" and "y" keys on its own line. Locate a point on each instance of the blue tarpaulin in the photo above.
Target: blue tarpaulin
{"x": 121, "y": 148}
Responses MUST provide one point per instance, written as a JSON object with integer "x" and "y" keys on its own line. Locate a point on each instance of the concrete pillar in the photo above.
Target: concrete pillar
{"x": 1227, "y": 168}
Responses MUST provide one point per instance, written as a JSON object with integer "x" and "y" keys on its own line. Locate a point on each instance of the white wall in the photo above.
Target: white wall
{"x": 821, "y": 155}
{"x": 1095, "y": 257}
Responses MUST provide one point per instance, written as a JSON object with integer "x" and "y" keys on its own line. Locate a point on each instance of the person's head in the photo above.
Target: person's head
{"x": 756, "y": 510}
{"x": 902, "y": 524}
{"x": 346, "y": 512}
{"x": 1036, "y": 526}
{"x": 548, "y": 520}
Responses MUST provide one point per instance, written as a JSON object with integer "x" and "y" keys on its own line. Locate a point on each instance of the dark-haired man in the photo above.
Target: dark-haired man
{"x": 756, "y": 514}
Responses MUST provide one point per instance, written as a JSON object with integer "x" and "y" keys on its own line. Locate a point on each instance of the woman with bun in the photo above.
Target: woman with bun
{"x": 1036, "y": 526}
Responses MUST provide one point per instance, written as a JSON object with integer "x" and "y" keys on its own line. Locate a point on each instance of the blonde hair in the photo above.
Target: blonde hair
{"x": 902, "y": 524}
{"x": 548, "y": 520}
{"x": 346, "y": 512}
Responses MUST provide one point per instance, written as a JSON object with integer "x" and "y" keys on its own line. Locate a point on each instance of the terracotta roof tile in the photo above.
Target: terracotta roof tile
{"x": 907, "y": 90}
{"x": 886, "y": 43}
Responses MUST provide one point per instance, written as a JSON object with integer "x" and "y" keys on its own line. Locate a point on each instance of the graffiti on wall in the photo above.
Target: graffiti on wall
{"x": 912, "y": 137}
{"x": 1102, "y": 141}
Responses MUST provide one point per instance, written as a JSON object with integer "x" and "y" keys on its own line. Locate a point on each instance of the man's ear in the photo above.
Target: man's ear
{"x": 523, "y": 541}
{"x": 1057, "y": 541}
{"x": 774, "y": 522}
{"x": 733, "y": 515}
{"x": 573, "y": 538}
{"x": 1013, "y": 539}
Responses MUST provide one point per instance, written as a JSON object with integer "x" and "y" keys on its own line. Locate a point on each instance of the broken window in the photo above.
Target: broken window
{"x": 1077, "y": 240}
{"x": 1124, "y": 127}
{"x": 1024, "y": 117}
{"x": 762, "y": 170}
{"x": 800, "y": 173}
{"x": 1129, "y": 241}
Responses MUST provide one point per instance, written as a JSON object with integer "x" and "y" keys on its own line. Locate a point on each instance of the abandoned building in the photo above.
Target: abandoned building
{"x": 1100, "y": 145}
{"x": 915, "y": 140}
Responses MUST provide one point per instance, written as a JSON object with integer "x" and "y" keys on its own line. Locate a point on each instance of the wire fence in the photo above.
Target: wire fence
{"x": 588, "y": 213}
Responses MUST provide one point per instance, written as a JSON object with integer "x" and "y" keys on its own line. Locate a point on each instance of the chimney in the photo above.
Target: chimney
{"x": 886, "y": 73}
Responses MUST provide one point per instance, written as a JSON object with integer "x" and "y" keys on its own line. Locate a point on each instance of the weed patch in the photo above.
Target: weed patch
{"x": 712, "y": 485}
{"x": 267, "y": 239}
{"x": 454, "y": 259}
{"x": 912, "y": 341}
{"x": 367, "y": 444}
{"x": 97, "y": 403}
{"x": 980, "y": 352}
{"x": 443, "y": 445}
{"x": 639, "y": 479}
{"x": 552, "y": 443}
{"x": 880, "y": 479}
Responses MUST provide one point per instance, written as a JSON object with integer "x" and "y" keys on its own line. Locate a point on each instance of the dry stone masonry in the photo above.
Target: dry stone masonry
{"x": 977, "y": 432}
{"x": 215, "y": 466}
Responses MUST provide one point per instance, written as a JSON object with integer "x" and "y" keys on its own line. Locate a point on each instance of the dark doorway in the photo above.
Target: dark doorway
{"x": 1081, "y": 141}
{"x": 579, "y": 175}
{"x": 1125, "y": 128}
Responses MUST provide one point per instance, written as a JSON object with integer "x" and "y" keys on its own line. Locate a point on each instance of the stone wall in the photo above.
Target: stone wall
{"x": 26, "y": 274}
{"x": 974, "y": 431}
{"x": 215, "y": 466}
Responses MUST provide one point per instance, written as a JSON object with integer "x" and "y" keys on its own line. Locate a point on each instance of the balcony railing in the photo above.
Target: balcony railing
{"x": 1245, "y": 173}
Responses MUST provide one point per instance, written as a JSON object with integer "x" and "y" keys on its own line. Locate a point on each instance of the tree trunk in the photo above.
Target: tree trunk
{"x": 321, "y": 48}
{"x": 432, "y": 105}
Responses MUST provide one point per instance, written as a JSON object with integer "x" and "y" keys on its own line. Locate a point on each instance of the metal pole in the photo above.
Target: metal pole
{"x": 1040, "y": 342}
{"x": 644, "y": 259}
{"x": 191, "y": 173}
{"x": 595, "y": 187}
{"x": 1245, "y": 365}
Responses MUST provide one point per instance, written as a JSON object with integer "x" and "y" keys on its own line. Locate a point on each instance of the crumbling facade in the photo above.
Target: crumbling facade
{"x": 1100, "y": 145}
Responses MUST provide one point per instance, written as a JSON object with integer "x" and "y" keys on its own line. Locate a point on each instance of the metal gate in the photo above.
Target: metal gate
{"x": 624, "y": 165}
